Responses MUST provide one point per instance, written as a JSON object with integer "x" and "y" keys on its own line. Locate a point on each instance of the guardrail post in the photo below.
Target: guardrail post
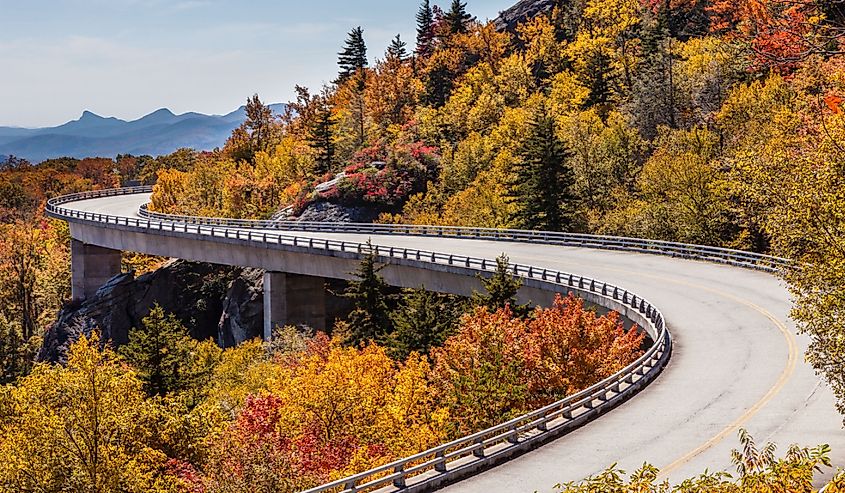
{"x": 440, "y": 466}
{"x": 479, "y": 452}
{"x": 400, "y": 481}
{"x": 513, "y": 438}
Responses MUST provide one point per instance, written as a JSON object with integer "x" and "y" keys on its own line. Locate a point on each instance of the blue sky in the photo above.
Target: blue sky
{"x": 126, "y": 58}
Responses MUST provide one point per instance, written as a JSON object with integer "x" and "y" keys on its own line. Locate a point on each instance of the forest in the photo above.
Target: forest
{"x": 700, "y": 121}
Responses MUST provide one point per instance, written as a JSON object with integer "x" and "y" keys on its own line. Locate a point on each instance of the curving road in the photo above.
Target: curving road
{"x": 736, "y": 362}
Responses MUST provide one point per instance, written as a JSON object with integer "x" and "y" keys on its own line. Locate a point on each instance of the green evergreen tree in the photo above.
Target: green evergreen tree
{"x": 398, "y": 49}
{"x": 160, "y": 352}
{"x": 353, "y": 59}
{"x": 423, "y": 320}
{"x": 439, "y": 83}
{"x": 500, "y": 289}
{"x": 425, "y": 30}
{"x": 598, "y": 79}
{"x": 321, "y": 136}
{"x": 17, "y": 354}
{"x": 543, "y": 179}
{"x": 370, "y": 317}
{"x": 457, "y": 18}
{"x": 653, "y": 92}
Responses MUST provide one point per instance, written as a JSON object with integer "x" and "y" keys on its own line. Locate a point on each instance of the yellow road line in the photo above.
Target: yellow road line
{"x": 773, "y": 391}
{"x": 748, "y": 414}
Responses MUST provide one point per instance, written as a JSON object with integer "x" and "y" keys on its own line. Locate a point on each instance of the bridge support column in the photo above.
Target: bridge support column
{"x": 91, "y": 267}
{"x": 292, "y": 299}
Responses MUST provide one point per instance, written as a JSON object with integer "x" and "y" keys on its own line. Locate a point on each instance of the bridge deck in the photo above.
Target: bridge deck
{"x": 736, "y": 362}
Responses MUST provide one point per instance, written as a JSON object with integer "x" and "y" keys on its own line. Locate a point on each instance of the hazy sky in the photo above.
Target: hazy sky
{"x": 127, "y": 58}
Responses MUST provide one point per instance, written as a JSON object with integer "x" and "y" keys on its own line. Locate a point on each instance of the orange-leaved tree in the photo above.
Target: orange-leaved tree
{"x": 497, "y": 365}
{"x": 571, "y": 348}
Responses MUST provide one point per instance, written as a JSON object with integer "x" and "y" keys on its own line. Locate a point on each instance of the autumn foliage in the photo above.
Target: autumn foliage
{"x": 304, "y": 413}
{"x": 500, "y": 365}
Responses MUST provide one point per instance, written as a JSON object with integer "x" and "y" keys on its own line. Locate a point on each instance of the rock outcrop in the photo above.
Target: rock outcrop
{"x": 337, "y": 213}
{"x": 523, "y": 10}
{"x": 243, "y": 310}
{"x": 213, "y": 301}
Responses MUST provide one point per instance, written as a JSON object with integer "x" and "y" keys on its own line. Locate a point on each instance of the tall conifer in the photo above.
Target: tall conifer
{"x": 457, "y": 18}
{"x": 353, "y": 58}
{"x": 397, "y": 49}
{"x": 370, "y": 317}
{"x": 542, "y": 188}
{"x": 425, "y": 30}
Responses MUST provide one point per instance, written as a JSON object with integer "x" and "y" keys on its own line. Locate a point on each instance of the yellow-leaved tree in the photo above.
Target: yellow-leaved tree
{"x": 81, "y": 427}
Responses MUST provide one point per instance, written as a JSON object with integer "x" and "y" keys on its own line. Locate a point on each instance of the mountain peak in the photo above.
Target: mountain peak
{"x": 158, "y": 133}
{"x": 88, "y": 115}
{"x": 162, "y": 112}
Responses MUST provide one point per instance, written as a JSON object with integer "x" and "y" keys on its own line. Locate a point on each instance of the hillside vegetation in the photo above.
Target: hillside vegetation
{"x": 703, "y": 121}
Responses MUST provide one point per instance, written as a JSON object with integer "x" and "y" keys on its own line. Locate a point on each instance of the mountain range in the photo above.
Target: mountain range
{"x": 160, "y": 132}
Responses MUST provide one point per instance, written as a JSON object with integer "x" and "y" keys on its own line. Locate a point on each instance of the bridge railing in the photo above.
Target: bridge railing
{"x": 737, "y": 258}
{"x": 462, "y": 457}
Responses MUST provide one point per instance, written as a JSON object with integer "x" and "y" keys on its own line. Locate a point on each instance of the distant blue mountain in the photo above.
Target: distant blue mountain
{"x": 160, "y": 132}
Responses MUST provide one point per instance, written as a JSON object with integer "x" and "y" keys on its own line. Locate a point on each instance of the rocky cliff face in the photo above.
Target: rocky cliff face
{"x": 213, "y": 301}
{"x": 338, "y": 213}
{"x": 524, "y": 9}
{"x": 243, "y": 309}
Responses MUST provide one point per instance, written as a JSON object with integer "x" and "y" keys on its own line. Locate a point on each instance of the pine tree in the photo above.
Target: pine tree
{"x": 425, "y": 30}
{"x": 423, "y": 320}
{"x": 542, "y": 189}
{"x": 321, "y": 136}
{"x": 370, "y": 317}
{"x": 353, "y": 58}
{"x": 598, "y": 79}
{"x": 501, "y": 289}
{"x": 160, "y": 352}
{"x": 438, "y": 84}
{"x": 457, "y": 18}
{"x": 398, "y": 49}
{"x": 653, "y": 91}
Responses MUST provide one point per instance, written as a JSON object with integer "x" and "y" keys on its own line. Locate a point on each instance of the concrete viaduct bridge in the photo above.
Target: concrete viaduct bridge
{"x": 720, "y": 314}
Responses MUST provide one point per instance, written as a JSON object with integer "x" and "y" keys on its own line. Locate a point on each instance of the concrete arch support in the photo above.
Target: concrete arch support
{"x": 293, "y": 299}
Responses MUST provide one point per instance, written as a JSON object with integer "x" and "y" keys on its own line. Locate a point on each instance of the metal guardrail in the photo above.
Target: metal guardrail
{"x": 738, "y": 258}
{"x": 462, "y": 457}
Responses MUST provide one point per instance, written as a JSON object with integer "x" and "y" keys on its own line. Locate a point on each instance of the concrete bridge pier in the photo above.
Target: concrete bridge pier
{"x": 293, "y": 299}
{"x": 91, "y": 267}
